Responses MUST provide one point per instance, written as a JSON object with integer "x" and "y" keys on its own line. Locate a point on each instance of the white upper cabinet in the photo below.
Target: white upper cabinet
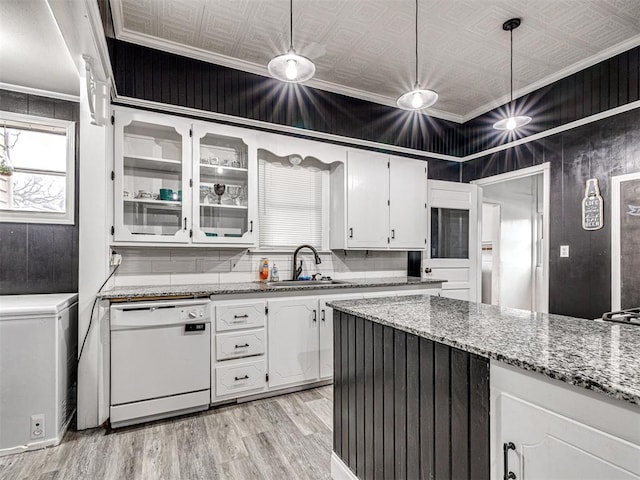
{"x": 408, "y": 203}
{"x": 367, "y": 200}
{"x": 151, "y": 178}
{"x": 378, "y": 202}
{"x": 224, "y": 184}
{"x": 177, "y": 181}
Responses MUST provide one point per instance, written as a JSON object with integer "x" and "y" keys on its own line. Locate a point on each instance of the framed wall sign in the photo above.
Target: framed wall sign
{"x": 592, "y": 206}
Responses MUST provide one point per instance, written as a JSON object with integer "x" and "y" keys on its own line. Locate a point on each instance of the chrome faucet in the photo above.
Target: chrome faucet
{"x": 297, "y": 270}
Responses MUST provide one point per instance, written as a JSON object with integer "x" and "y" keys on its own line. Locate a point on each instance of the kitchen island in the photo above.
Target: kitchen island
{"x": 429, "y": 387}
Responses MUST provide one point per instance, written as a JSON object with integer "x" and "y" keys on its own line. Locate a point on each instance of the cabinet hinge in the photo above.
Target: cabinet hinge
{"x": 425, "y": 241}
{"x": 191, "y": 132}
{"x": 190, "y": 233}
{"x": 266, "y": 377}
{"x": 113, "y": 175}
{"x": 113, "y": 230}
{"x": 388, "y": 164}
{"x": 191, "y": 182}
{"x": 388, "y": 203}
{"x": 266, "y": 310}
{"x": 388, "y": 240}
{"x": 113, "y": 119}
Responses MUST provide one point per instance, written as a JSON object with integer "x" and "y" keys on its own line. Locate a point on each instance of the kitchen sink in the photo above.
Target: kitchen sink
{"x": 303, "y": 283}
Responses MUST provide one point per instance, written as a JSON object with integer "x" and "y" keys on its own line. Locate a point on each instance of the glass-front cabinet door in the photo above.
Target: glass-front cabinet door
{"x": 152, "y": 172}
{"x": 224, "y": 185}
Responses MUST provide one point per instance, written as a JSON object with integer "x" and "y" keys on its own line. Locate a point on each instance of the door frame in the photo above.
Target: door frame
{"x": 545, "y": 170}
{"x": 615, "y": 237}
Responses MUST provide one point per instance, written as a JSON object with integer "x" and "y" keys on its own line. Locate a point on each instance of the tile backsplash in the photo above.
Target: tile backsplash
{"x": 175, "y": 266}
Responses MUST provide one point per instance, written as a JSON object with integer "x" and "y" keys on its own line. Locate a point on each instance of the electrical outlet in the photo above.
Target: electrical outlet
{"x": 564, "y": 251}
{"x": 37, "y": 426}
{"x": 116, "y": 259}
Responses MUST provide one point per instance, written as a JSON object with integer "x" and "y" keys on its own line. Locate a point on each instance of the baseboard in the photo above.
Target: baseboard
{"x": 339, "y": 470}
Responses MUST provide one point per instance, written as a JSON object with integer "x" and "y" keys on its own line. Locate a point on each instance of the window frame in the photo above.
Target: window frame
{"x": 58, "y": 218}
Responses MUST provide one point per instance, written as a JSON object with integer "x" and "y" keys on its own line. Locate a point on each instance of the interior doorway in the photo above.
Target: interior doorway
{"x": 514, "y": 244}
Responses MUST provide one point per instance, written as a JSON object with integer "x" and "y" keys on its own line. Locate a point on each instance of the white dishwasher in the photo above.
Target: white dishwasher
{"x": 160, "y": 360}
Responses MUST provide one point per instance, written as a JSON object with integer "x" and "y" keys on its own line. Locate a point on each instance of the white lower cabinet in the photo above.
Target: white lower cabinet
{"x": 272, "y": 343}
{"x": 543, "y": 431}
{"x": 238, "y": 350}
{"x": 293, "y": 341}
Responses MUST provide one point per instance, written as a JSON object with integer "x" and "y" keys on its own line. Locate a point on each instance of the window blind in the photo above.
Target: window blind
{"x": 290, "y": 204}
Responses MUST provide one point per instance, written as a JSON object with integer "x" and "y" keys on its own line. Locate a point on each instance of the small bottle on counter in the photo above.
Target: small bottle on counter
{"x": 264, "y": 269}
{"x": 274, "y": 274}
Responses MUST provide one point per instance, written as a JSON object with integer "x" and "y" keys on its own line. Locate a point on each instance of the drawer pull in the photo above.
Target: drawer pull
{"x": 242, "y": 346}
{"x": 241, "y": 316}
{"x": 246, "y": 377}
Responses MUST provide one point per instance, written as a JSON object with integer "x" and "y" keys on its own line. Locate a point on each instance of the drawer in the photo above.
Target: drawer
{"x": 243, "y": 315}
{"x": 239, "y": 344}
{"x": 241, "y": 377}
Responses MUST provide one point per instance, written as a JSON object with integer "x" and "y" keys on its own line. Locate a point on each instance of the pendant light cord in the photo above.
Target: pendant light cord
{"x": 291, "y": 24}
{"x": 416, "y": 42}
{"x": 511, "y": 64}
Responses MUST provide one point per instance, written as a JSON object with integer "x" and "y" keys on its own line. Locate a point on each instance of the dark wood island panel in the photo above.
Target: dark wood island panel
{"x": 406, "y": 407}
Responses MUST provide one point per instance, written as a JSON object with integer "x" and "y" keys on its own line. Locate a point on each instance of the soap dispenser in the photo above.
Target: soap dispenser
{"x": 274, "y": 274}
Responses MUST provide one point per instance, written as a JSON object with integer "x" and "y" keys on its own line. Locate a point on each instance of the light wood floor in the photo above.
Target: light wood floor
{"x": 286, "y": 437}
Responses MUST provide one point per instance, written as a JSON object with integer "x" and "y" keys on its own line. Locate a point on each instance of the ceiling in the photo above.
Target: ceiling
{"x": 33, "y": 53}
{"x": 365, "y": 48}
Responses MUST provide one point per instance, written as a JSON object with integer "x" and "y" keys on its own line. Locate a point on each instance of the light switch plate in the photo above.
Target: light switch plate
{"x": 564, "y": 251}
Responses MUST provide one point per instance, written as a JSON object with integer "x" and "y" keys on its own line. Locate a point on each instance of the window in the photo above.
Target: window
{"x": 36, "y": 169}
{"x": 449, "y": 233}
{"x": 292, "y": 208}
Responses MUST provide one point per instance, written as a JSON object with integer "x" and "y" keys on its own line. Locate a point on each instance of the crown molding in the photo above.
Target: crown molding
{"x": 274, "y": 127}
{"x": 39, "y": 92}
{"x": 559, "y": 75}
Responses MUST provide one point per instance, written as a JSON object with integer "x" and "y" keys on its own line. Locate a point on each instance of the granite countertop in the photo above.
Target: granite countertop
{"x": 153, "y": 291}
{"x": 596, "y": 355}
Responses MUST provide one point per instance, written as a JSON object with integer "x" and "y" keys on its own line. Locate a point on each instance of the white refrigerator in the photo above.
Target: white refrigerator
{"x": 38, "y": 349}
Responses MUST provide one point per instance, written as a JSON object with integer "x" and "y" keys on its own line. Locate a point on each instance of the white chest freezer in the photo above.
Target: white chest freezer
{"x": 38, "y": 349}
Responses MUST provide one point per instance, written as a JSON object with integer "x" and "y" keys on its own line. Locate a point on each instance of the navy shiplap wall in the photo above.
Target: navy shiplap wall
{"x": 580, "y": 285}
{"x": 601, "y": 87}
{"x": 406, "y": 407}
{"x": 39, "y": 258}
{"x": 149, "y": 74}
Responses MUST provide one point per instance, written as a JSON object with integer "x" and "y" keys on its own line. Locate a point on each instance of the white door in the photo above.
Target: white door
{"x": 408, "y": 201}
{"x": 293, "y": 341}
{"x": 367, "y": 200}
{"x": 549, "y": 446}
{"x": 454, "y": 246}
{"x": 625, "y": 232}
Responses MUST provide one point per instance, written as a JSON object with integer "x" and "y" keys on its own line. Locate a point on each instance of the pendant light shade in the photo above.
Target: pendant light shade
{"x": 512, "y": 122}
{"x": 418, "y": 98}
{"x": 291, "y": 67}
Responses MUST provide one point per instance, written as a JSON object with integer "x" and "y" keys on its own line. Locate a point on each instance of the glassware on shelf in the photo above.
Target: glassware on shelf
{"x": 244, "y": 195}
{"x": 234, "y": 192}
{"x": 205, "y": 195}
{"x": 219, "y": 189}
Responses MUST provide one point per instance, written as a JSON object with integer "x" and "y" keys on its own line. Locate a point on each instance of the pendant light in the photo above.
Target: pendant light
{"x": 512, "y": 122}
{"x": 418, "y": 98}
{"x": 291, "y": 67}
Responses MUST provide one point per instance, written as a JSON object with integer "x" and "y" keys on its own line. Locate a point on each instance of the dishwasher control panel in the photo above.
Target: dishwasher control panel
{"x": 195, "y": 312}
